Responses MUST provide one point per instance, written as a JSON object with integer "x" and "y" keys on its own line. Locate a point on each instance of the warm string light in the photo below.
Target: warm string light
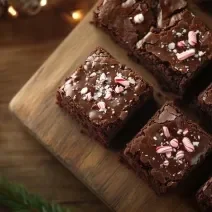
{"x": 43, "y": 3}
{"x": 12, "y": 11}
{"x": 77, "y": 15}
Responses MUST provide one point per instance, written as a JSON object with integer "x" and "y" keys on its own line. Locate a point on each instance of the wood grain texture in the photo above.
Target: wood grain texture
{"x": 97, "y": 167}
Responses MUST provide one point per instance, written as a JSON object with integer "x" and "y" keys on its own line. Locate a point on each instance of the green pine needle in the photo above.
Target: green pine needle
{"x": 16, "y": 198}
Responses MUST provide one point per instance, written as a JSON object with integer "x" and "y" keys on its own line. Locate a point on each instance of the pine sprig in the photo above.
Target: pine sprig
{"x": 18, "y": 199}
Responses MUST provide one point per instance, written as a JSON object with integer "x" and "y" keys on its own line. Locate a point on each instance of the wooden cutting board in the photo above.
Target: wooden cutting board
{"x": 97, "y": 167}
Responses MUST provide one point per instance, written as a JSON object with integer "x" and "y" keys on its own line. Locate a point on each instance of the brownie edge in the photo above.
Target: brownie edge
{"x": 167, "y": 149}
{"x": 204, "y": 197}
{"x": 102, "y": 94}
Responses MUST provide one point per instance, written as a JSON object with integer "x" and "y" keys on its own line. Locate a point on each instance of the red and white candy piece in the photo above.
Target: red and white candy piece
{"x": 188, "y": 145}
{"x": 166, "y": 163}
{"x": 122, "y": 81}
{"x": 163, "y": 149}
{"x": 84, "y": 90}
{"x": 168, "y": 154}
{"x": 108, "y": 95}
{"x": 174, "y": 143}
{"x": 68, "y": 89}
{"x": 186, "y": 54}
{"x": 166, "y": 131}
{"x": 93, "y": 74}
{"x": 101, "y": 106}
{"x": 88, "y": 96}
{"x": 119, "y": 89}
{"x": 103, "y": 77}
{"x": 139, "y": 18}
{"x": 180, "y": 155}
{"x": 192, "y": 38}
{"x": 185, "y": 131}
{"x": 181, "y": 44}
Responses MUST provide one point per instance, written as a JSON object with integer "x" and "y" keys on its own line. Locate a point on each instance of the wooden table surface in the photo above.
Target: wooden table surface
{"x": 25, "y": 44}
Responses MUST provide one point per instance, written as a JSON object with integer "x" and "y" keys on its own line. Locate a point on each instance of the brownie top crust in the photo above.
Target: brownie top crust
{"x": 130, "y": 20}
{"x": 103, "y": 89}
{"x": 170, "y": 144}
{"x": 185, "y": 47}
{"x": 168, "y": 11}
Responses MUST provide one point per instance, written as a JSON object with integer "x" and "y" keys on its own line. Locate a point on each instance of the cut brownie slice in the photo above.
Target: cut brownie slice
{"x": 176, "y": 55}
{"x": 205, "y": 101}
{"x": 127, "y": 21}
{"x": 167, "y": 149}
{"x": 103, "y": 94}
{"x": 204, "y": 196}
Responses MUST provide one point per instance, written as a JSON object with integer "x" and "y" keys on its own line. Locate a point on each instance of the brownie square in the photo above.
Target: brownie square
{"x": 103, "y": 94}
{"x": 127, "y": 21}
{"x": 178, "y": 54}
{"x": 204, "y": 196}
{"x": 167, "y": 149}
{"x": 205, "y": 102}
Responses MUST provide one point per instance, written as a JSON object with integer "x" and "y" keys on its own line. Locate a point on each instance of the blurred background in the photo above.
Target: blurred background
{"x": 30, "y": 30}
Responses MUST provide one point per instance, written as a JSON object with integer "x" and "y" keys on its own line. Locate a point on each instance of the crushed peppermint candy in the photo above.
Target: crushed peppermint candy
{"x": 166, "y": 131}
{"x": 181, "y": 44}
{"x": 185, "y": 131}
{"x": 108, "y": 95}
{"x": 179, "y": 131}
{"x": 201, "y": 53}
{"x": 131, "y": 80}
{"x": 88, "y": 96}
{"x": 84, "y": 90}
{"x": 103, "y": 77}
{"x": 196, "y": 143}
{"x": 122, "y": 81}
{"x": 139, "y": 18}
{"x": 188, "y": 145}
{"x": 180, "y": 155}
{"x": 67, "y": 89}
{"x": 119, "y": 89}
{"x": 101, "y": 106}
{"x": 166, "y": 163}
{"x": 174, "y": 143}
{"x": 186, "y": 54}
{"x": 171, "y": 46}
{"x": 168, "y": 154}
{"x": 93, "y": 74}
{"x": 163, "y": 149}
{"x": 192, "y": 38}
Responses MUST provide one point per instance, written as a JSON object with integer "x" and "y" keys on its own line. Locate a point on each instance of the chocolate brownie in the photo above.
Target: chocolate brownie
{"x": 205, "y": 104}
{"x": 204, "y": 196}
{"x": 103, "y": 94}
{"x": 127, "y": 21}
{"x": 167, "y": 149}
{"x": 178, "y": 54}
